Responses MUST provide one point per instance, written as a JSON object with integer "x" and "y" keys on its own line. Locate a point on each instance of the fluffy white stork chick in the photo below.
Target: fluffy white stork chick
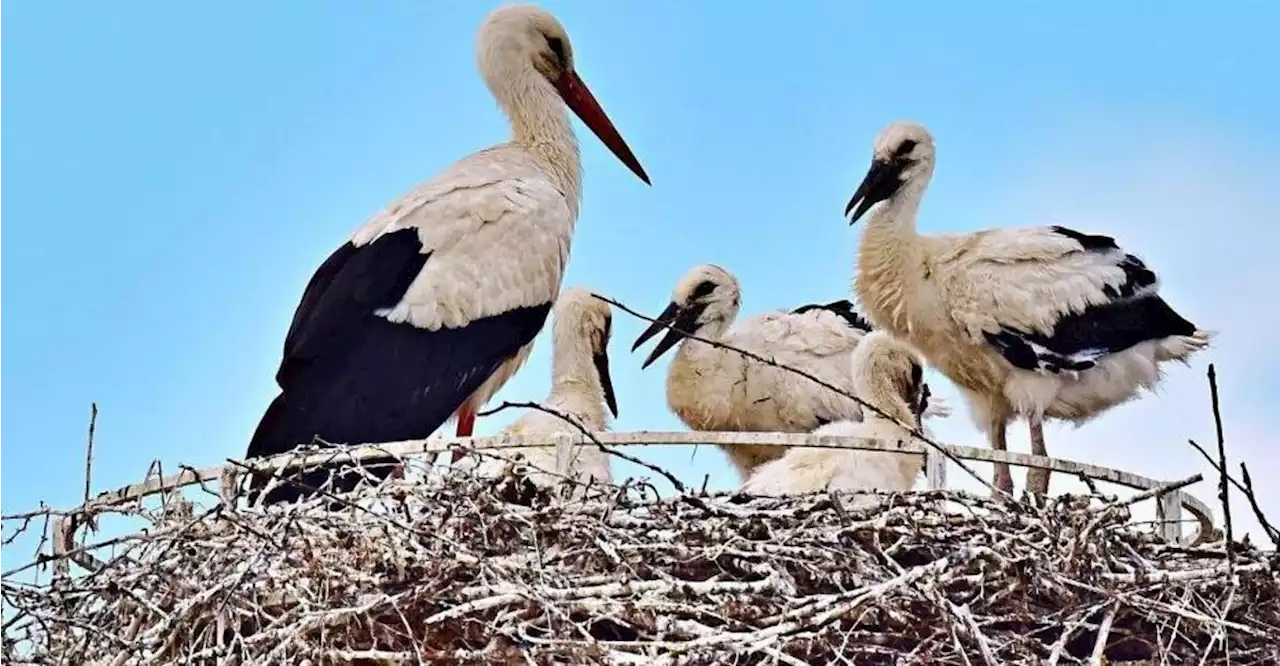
{"x": 434, "y": 303}
{"x": 580, "y": 390}
{"x": 887, "y": 375}
{"x": 1039, "y": 322}
{"x": 711, "y": 388}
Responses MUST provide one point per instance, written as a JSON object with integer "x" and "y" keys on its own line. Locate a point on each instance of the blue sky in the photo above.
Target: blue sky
{"x": 178, "y": 170}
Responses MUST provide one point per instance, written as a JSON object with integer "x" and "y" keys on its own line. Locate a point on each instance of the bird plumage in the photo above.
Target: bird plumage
{"x": 435, "y": 302}
{"x": 713, "y": 388}
{"x": 887, "y": 375}
{"x": 1041, "y": 322}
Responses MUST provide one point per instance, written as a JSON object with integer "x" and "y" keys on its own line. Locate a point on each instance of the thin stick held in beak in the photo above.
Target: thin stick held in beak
{"x": 578, "y": 97}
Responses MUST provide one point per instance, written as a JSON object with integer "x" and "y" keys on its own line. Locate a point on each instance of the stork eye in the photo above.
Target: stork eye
{"x": 905, "y": 148}
{"x": 557, "y": 49}
{"x": 703, "y": 289}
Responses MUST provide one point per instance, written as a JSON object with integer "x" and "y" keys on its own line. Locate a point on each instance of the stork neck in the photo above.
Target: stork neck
{"x": 896, "y": 217}
{"x": 574, "y": 375}
{"x": 877, "y": 387}
{"x": 889, "y": 258}
{"x": 540, "y": 124}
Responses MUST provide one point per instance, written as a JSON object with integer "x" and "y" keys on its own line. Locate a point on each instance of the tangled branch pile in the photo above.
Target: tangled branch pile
{"x": 458, "y": 570}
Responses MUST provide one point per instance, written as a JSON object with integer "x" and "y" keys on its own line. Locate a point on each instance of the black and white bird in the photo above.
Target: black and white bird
{"x": 435, "y": 302}
{"x": 1038, "y": 322}
{"x": 712, "y": 388}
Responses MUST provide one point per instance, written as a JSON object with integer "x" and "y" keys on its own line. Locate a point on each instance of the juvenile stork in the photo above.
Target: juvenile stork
{"x": 1039, "y": 322}
{"x": 713, "y": 388}
{"x": 434, "y": 303}
{"x": 887, "y": 375}
{"x": 580, "y": 390}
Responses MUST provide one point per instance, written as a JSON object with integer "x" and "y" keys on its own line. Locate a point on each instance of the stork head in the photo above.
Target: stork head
{"x": 584, "y": 324}
{"x": 903, "y": 153}
{"x": 888, "y": 374}
{"x": 706, "y": 297}
{"x": 522, "y": 45}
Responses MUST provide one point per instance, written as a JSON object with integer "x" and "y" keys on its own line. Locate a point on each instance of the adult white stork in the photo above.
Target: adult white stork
{"x": 434, "y": 303}
{"x": 1040, "y": 322}
{"x": 581, "y": 390}
{"x": 715, "y": 388}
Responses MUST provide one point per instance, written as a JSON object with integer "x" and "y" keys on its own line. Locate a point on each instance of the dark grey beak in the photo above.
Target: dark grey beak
{"x": 681, "y": 320}
{"x": 606, "y": 382}
{"x": 881, "y": 182}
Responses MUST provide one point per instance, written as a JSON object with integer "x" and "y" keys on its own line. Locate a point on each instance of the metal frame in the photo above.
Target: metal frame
{"x": 1169, "y": 509}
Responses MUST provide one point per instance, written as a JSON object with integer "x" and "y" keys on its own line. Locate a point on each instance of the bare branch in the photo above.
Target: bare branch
{"x": 88, "y": 453}
{"x": 1224, "y": 496}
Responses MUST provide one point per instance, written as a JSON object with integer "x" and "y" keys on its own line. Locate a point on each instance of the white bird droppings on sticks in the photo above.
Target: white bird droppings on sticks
{"x": 581, "y": 389}
{"x": 1038, "y": 322}
{"x": 435, "y": 302}
{"x": 887, "y": 375}
{"x": 714, "y": 388}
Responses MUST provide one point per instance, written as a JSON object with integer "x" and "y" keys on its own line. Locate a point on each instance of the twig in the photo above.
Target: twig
{"x": 1223, "y": 490}
{"x": 1253, "y": 502}
{"x": 1104, "y": 632}
{"x": 1247, "y": 490}
{"x": 914, "y": 431}
{"x": 1162, "y": 489}
{"x": 88, "y": 454}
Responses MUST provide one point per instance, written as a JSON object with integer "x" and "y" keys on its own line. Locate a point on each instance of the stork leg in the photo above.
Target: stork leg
{"x": 1003, "y": 480}
{"x": 466, "y": 423}
{"x": 1037, "y": 479}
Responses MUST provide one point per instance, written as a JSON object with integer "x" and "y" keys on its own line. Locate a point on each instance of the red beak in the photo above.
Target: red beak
{"x": 579, "y": 98}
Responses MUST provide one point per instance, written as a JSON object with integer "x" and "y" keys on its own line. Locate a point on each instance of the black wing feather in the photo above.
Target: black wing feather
{"x": 349, "y": 376}
{"x": 843, "y": 308}
{"x": 316, "y": 288}
{"x": 1080, "y": 338}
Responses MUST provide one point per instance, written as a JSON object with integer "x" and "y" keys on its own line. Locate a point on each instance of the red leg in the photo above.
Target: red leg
{"x": 466, "y": 423}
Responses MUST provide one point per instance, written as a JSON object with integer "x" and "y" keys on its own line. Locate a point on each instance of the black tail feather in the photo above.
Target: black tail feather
{"x": 274, "y": 435}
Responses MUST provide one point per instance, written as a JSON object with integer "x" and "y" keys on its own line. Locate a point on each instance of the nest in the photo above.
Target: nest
{"x": 453, "y": 569}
